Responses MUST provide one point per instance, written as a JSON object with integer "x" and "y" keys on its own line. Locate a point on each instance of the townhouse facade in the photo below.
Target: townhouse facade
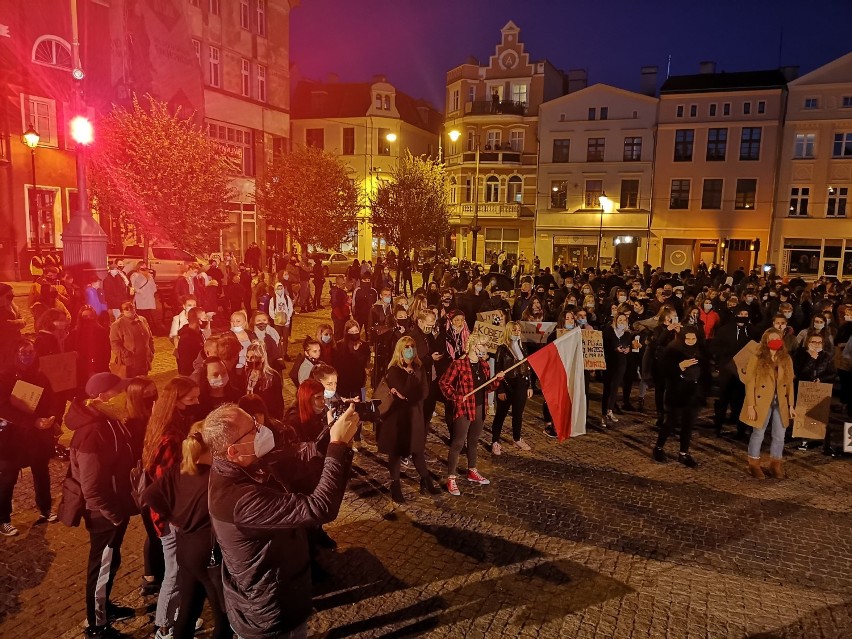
{"x": 370, "y": 125}
{"x": 811, "y": 229}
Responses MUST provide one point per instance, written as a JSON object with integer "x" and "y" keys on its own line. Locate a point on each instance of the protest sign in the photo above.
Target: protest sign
{"x": 813, "y": 404}
{"x": 742, "y": 358}
{"x": 60, "y": 370}
{"x": 495, "y": 318}
{"x": 536, "y": 332}
{"x": 490, "y": 334}
{"x": 593, "y": 351}
{"x": 847, "y": 437}
{"x": 26, "y": 396}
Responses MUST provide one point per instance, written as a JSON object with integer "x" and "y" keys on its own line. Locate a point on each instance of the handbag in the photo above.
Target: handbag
{"x": 139, "y": 481}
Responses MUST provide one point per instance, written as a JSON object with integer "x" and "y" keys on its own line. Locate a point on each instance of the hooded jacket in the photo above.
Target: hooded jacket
{"x": 101, "y": 460}
{"x": 262, "y": 531}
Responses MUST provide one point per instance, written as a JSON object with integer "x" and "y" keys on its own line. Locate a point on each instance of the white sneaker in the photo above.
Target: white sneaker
{"x": 496, "y": 449}
{"x": 522, "y": 445}
{"x": 611, "y": 417}
{"x": 163, "y": 635}
{"x": 8, "y": 530}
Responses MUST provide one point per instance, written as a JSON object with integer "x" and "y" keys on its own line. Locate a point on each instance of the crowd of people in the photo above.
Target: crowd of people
{"x": 234, "y": 486}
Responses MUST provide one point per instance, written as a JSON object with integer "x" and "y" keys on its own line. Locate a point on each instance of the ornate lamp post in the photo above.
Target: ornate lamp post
{"x": 31, "y": 138}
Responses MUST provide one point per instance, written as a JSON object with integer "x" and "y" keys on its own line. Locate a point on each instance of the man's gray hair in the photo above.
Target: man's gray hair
{"x": 219, "y": 429}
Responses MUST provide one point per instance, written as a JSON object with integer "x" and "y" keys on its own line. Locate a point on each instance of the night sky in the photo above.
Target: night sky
{"x": 415, "y": 42}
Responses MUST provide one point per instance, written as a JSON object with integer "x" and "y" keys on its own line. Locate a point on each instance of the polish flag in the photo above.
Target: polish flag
{"x": 560, "y": 370}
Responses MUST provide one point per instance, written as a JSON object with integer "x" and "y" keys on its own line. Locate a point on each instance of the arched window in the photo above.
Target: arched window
{"x": 52, "y": 52}
{"x": 492, "y": 189}
{"x": 514, "y": 189}
{"x": 379, "y": 101}
{"x": 387, "y": 103}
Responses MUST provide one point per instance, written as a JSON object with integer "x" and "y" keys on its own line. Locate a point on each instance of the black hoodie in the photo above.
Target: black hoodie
{"x": 101, "y": 460}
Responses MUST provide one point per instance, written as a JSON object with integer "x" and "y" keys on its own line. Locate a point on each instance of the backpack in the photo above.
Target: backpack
{"x": 139, "y": 481}
{"x": 362, "y": 302}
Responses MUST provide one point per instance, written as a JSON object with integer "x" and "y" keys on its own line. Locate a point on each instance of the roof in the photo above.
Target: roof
{"x": 737, "y": 81}
{"x": 354, "y": 100}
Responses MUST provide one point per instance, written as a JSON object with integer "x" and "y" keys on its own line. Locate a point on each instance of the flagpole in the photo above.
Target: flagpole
{"x": 480, "y": 387}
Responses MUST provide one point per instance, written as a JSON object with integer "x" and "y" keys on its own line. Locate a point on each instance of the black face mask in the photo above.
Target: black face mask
{"x": 203, "y": 324}
{"x": 446, "y": 302}
{"x": 261, "y": 327}
{"x": 742, "y": 321}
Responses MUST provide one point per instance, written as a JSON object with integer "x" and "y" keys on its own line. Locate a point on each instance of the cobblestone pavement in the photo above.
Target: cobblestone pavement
{"x": 585, "y": 538}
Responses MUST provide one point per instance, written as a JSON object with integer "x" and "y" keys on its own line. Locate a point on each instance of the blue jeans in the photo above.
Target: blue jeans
{"x": 776, "y": 448}
{"x": 168, "y": 600}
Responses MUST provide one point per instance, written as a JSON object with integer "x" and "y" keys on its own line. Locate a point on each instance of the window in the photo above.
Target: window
{"x": 245, "y": 77}
{"x": 693, "y": 110}
{"x": 559, "y": 195}
{"x": 595, "y": 150}
{"x": 679, "y": 111}
{"x": 717, "y": 144}
{"x": 492, "y": 189}
{"x": 516, "y": 141}
{"x": 52, "y": 52}
{"x": 712, "y": 110}
{"x": 514, "y": 189}
{"x": 261, "y": 17}
{"x": 811, "y": 103}
{"x": 761, "y": 106}
{"x": 842, "y": 145}
{"x": 196, "y": 45}
{"x": 711, "y": 195}
{"x": 746, "y": 190}
{"x": 604, "y": 113}
{"x": 468, "y": 190}
{"x": 746, "y": 108}
{"x": 41, "y": 114}
{"x": 592, "y": 194}
{"x": 561, "y": 149}
{"x": 799, "y": 197}
{"x": 726, "y": 108}
{"x": 214, "y": 7}
{"x": 592, "y": 113}
{"x": 492, "y": 140}
{"x": 315, "y": 138}
{"x": 683, "y": 145}
{"x": 261, "y": 83}
{"x": 471, "y": 140}
{"x": 629, "y": 194}
{"x": 236, "y": 145}
{"x": 847, "y": 101}
{"x": 387, "y": 103}
{"x": 804, "y": 146}
{"x": 384, "y": 146}
{"x": 349, "y": 140}
{"x": 519, "y": 93}
{"x": 454, "y": 102}
{"x": 40, "y": 206}
{"x": 214, "y": 67}
{"x": 379, "y": 101}
{"x": 750, "y": 143}
{"x": 632, "y": 149}
{"x": 679, "y": 195}
{"x": 498, "y": 240}
{"x": 837, "y": 201}
{"x": 471, "y": 93}
{"x": 245, "y": 15}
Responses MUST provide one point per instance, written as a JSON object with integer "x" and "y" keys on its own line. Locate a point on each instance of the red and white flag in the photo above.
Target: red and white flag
{"x": 560, "y": 370}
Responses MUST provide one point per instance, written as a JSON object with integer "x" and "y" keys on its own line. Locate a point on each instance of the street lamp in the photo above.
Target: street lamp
{"x": 606, "y": 205}
{"x": 31, "y": 138}
{"x": 454, "y": 135}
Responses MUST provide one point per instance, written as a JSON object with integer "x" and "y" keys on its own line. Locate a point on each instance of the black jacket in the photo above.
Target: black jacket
{"x": 808, "y": 369}
{"x": 101, "y": 460}
{"x": 351, "y": 365}
{"x": 182, "y": 500}
{"x": 261, "y": 529}
{"x": 505, "y": 358}
{"x": 687, "y": 387}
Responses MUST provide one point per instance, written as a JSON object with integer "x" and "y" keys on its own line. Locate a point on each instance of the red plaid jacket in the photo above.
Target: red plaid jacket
{"x": 168, "y": 454}
{"x": 457, "y": 382}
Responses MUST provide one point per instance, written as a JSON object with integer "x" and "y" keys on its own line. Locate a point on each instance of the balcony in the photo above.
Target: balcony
{"x": 489, "y": 156}
{"x": 489, "y": 107}
{"x": 504, "y": 210}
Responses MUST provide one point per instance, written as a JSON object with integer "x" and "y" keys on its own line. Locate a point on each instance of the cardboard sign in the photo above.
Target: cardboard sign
{"x": 813, "y": 405}
{"x": 60, "y": 370}
{"x": 593, "y": 350}
{"x": 495, "y": 318}
{"x": 847, "y": 437}
{"x": 536, "y": 332}
{"x": 490, "y": 334}
{"x": 742, "y": 358}
{"x": 26, "y": 396}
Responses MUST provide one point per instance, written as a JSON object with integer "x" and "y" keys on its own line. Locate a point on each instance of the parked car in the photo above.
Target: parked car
{"x": 167, "y": 262}
{"x": 333, "y": 263}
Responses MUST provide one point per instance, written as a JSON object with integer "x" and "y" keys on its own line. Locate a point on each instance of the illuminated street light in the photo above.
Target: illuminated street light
{"x": 606, "y": 207}
{"x": 391, "y": 137}
{"x": 454, "y": 135}
{"x": 31, "y": 137}
{"x": 82, "y": 130}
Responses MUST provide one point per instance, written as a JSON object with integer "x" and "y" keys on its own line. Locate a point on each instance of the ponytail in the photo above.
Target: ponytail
{"x": 193, "y": 447}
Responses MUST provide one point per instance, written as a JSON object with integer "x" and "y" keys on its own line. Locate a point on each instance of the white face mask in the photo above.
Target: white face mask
{"x": 264, "y": 441}
{"x": 622, "y": 299}
{"x": 237, "y": 329}
{"x": 788, "y": 314}
{"x": 515, "y": 338}
{"x": 708, "y": 307}
{"x": 217, "y": 382}
{"x": 819, "y": 325}
{"x": 328, "y": 394}
{"x": 478, "y": 289}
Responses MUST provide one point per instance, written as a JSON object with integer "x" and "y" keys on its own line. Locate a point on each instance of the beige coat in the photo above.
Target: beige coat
{"x": 132, "y": 347}
{"x": 761, "y": 386}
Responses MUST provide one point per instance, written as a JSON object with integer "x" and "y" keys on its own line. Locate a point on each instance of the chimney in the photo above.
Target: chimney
{"x": 706, "y": 67}
{"x": 332, "y": 78}
{"x": 790, "y": 73}
{"x": 577, "y": 79}
{"x": 648, "y": 81}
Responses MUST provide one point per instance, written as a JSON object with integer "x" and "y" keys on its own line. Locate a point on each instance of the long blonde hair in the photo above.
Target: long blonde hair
{"x": 397, "y": 359}
{"x": 765, "y": 364}
{"x": 507, "y": 334}
{"x": 162, "y": 420}
{"x": 192, "y": 448}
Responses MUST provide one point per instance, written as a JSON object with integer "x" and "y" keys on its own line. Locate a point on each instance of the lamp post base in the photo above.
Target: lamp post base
{"x": 84, "y": 246}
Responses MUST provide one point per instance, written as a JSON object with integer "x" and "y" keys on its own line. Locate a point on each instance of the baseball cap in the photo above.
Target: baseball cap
{"x": 105, "y": 382}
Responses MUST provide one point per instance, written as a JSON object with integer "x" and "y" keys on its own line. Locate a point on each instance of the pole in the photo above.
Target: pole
{"x": 600, "y": 239}
{"x": 34, "y": 207}
{"x": 475, "y": 229}
{"x": 481, "y": 386}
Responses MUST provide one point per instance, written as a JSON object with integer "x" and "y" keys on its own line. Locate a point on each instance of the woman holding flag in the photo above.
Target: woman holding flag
{"x": 465, "y": 384}
{"x": 514, "y": 390}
